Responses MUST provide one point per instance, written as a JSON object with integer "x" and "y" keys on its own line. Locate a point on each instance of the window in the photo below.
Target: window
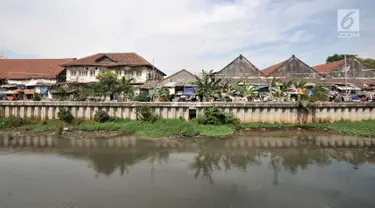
{"x": 118, "y": 72}
{"x": 139, "y": 73}
{"x": 92, "y": 72}
{"x": 73, "y": 73}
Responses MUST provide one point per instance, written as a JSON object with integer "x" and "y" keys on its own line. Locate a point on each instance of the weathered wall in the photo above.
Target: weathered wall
{"x": 89, "y": 73}
{"x": 295, "y": 68}
{"x": 247, "y": 112}
{"x": 239, "y": 68}
{"x": 357, "y": 70}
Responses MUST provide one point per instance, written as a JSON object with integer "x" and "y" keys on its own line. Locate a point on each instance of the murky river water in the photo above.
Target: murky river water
{"x": 246, "y": 171}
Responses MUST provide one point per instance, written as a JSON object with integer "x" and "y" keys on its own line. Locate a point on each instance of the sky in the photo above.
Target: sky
{"x": 184, "y": 34}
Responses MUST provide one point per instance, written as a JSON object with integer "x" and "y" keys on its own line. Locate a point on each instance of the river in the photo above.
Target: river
{"x": 324, "y": 171}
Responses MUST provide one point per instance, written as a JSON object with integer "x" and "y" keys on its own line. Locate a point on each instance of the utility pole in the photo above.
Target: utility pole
{"x": 153, "y": 69}
{"x": 346, "y": 79}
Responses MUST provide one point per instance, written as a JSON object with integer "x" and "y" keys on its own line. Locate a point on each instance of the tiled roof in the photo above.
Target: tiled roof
{"x": 31, "y": 68}
{"x": 327, "y": 68}
{"x": 113, "y": 60}
{"x": 267, "y": 71}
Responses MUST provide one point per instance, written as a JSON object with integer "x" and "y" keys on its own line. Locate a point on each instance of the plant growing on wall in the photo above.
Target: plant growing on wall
{"x": 207, "y": 85}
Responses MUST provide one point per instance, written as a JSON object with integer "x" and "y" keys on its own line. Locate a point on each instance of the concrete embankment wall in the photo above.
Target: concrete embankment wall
{"x": 246, "y": 112}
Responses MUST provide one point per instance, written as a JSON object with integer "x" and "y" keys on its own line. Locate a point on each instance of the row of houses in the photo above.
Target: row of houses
{"x": 37, "y": 75}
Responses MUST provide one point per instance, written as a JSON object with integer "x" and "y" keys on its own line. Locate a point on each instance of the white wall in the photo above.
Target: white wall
{"x": 84, "y": 74}
{"x": 32, "y": 81}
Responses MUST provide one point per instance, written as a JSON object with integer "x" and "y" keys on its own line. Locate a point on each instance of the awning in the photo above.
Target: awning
{"x": 29, "y": 91}
{"x": 13, "y": 92}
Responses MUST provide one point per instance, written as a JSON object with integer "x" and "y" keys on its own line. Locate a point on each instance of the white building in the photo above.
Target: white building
{"x": 130, "y": 65}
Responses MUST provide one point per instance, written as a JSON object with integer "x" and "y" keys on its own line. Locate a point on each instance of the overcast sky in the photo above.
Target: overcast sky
{"x": 190, "y": 34}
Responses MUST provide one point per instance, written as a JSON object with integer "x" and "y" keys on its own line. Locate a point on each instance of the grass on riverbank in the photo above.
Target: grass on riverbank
{"x": 171, "y": 128}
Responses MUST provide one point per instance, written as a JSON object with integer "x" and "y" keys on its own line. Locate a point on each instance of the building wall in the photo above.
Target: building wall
{"x": 357, "y": 70}
{"x": 89, "y": 73}
{"x": 246, "y": 112}
{"x": 239, "y": 68}
{"x": 182, "y": 76}
{"x": 32, "y": 81}
{"x": 294, "y": 68}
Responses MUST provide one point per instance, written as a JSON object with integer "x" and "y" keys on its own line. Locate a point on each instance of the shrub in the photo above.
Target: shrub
{"x": 142, "y": 97}
{"x": 144, "y": 113}
{"x": 65, "y": 115}
{"x": 214, "y": 116}
{"x": 101, "y": 116}
{"x": 319, "y": 93}
{"x": 37, "y": 97}
{"x": 13, "y": 121}
{"x": 59, "y": 129}
{"x": 115, "y": 119}
{"x": 189, "y": 130}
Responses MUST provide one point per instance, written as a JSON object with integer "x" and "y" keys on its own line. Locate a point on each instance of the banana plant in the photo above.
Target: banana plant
{"x": 272, "y": 84}
{"x": 300, "y": 85}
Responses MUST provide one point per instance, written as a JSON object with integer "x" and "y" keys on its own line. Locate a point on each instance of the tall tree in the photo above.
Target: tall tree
{"x": 338, "y": 57}
{"x": 207, "y": 85}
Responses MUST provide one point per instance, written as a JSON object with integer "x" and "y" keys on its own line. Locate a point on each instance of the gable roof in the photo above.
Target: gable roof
{"x": 327, "y": 68}
{"x": 267, "y": 71}
{"x": 180, "y": 82}
{"x": 31, "y": 68}
{"x": 182, "y": 70}
{"x": 249, "y": 65}
{"x": 116, "y": 59}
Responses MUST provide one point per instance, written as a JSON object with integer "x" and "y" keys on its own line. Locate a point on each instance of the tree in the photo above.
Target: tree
{"x": 369, "y": 62}
{"x": 272, "y": 84}
{"x": 319, "y": 93}
{"x": 300, "y": 85}
{"x": 207, "y": 85}
{"x": 162, "y": 94}
{"x": 338, "y": 57}
{"x": 110, "y": 85}
{"x": 107, "y": 85}
{"x": 124, "y": 89}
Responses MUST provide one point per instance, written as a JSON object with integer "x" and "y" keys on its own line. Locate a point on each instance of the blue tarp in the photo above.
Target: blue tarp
{"x": 189, "y": 91}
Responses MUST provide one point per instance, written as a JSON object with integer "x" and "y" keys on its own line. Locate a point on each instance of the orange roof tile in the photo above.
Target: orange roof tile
{"x": 31, "y": 68}
{"x": 267, "y": 71}
{"x": 117, "y": 59}
{"x": 327, "y": 68}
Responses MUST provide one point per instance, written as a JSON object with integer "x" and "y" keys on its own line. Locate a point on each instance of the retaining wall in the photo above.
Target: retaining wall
{"x": 246, "y": 112}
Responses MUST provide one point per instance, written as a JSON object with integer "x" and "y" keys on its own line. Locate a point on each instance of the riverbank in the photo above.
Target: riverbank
{"x": 179, "y": 128}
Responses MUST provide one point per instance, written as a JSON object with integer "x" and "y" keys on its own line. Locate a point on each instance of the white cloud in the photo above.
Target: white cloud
{"x": 179, "y": 34}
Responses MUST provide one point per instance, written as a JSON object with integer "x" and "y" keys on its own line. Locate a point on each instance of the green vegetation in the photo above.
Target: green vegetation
{"x": 207, "y": 86}
{"x": 101, "y": 116}
{"x": 65, "y": 115}
{"x": 369, "y": 62}
{"x": 211, "y": 122}
{"x": 319, "y": 93}
{"x": 37, "y": 97}
{"x": 142, "y": 97}
{"x": 362, "y": 128}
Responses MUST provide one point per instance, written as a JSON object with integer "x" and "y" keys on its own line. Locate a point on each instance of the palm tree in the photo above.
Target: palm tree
{"x": 271, "y": 84}
{"x": 207, "y": 85}
{"x": 300, "y": 85}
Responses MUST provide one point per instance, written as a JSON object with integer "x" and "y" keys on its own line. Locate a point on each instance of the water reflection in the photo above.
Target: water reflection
{"x": 279, "y": 154}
